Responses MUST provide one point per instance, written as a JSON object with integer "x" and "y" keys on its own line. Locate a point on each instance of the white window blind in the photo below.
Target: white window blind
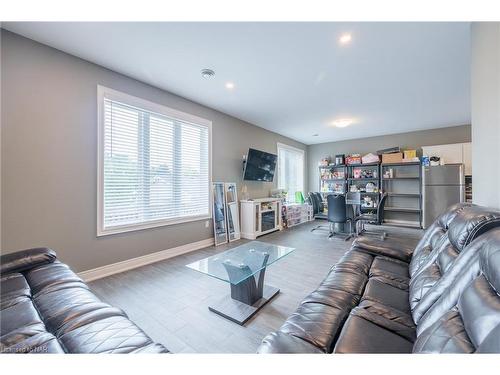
{"x": 290, "y": 170}
{"x": 155, "y": 167}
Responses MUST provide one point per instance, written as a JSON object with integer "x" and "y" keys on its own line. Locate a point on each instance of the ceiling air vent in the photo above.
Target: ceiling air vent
{"x": 207, "y": 73}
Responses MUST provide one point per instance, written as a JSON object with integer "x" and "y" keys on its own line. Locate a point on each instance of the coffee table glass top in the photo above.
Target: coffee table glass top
{"x": 240, "y": 263}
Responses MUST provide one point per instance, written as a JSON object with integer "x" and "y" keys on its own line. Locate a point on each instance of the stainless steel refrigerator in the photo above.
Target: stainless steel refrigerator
{"x": 442, "y": 186}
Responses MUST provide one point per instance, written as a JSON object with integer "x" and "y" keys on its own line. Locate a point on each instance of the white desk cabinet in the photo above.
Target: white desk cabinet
{"x": 259, "y": 217}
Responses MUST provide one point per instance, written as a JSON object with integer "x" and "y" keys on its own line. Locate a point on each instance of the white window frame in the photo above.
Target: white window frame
{"x": 105, "y": 92}
{"x": 283, "y": 145}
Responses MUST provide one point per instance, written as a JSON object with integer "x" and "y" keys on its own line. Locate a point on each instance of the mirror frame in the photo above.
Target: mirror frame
{"x": 232, "y": 212}
{"x": 222, "y": 238}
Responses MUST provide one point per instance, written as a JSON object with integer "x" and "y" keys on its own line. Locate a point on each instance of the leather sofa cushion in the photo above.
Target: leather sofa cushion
{"x": 59, "y": 308}
{"x": 50, "y": 277}
{"x": 349, "y": 282}
{"x": 479, "y": 306}
{"x": 469, "y": 224}
{"x": 332, "y": 297}
{"x": 22, "y": 314}
{"x": 24, "y": 260}
{"x": 362, "y": 336}
{"x": 388, "y": 313}
{"x": 381, "y": 320}
{"x": 431, "y": 274}
{"x": 40, "y": 343}
{"x": 388, "y": 265}
{"x": 451, "y": 212}
{"x": 316, "y": 323}
{"x": 385, "y": 294}
{"x": 111, "y": 335}
{"x": 491, "y": 344}
{"x": 14, "y": 289}
{"x": 469, "y": 311}
{"x": 355, "y": 261}
{"x": 422, "y": 283}
{"x": 279, "y": 342}
{"x": 393, "y": 272}
{"x": 447, "y": 335}
{"x": 463, "y": 270}
{"x": 391, "y": 247}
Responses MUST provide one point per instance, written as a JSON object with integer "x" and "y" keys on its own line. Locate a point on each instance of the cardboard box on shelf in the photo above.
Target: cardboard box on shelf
{"x": 410, "y": 154}
{"x": 370, "y": 158}
{"x": 396, "y": 157}
{"x": 353, "y": 159}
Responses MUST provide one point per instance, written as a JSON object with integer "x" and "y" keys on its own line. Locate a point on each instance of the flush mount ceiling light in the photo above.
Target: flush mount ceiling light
{"x": 207, "y": 73}
{"x": 345, "y": 38}
{"x": 342, "y": 122}
{"x": 229, "y": 85}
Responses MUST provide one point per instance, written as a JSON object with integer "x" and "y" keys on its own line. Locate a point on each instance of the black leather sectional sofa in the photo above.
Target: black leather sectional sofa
{"x": 440, "y": 295}
{"x": 46, "y": 308}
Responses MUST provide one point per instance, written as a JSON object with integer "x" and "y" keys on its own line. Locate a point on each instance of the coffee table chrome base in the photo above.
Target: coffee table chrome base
{"x": 240, "y": 312}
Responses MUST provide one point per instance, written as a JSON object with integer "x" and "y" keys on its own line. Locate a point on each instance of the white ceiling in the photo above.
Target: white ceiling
{"x": 291, "y": 78}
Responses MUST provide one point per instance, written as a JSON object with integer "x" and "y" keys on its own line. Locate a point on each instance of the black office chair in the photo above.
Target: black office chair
{"x": 318, "y": 210}
{"x": 337, "y": 214}
{"x": 321, "y": 206}
{"x": 376, "y": 219}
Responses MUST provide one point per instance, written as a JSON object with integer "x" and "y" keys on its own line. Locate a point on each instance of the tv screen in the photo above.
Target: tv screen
{"x": 260, "y": 166}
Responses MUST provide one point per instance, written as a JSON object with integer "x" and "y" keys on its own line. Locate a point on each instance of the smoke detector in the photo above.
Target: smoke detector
{"x": 207, "y": 73}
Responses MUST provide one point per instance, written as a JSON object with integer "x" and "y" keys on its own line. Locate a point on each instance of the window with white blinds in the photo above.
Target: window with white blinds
{"x": 290, "y": 170}
{"x": 154, "y": 165}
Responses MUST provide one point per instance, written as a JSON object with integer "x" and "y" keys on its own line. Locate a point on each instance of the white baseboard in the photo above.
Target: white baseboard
{"x": 111, "y": 269}
{"x": 248, "y": 236}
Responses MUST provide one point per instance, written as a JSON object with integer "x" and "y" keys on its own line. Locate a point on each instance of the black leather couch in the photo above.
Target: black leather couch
{"x": 46, "y": 308}
{"x": 385, "y": 297}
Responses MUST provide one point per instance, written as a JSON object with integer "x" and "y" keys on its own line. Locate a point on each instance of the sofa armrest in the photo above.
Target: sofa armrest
{"x": 26, "y": 259}
{"x": 401, "y": 249}
{"x": 279, "y": 342}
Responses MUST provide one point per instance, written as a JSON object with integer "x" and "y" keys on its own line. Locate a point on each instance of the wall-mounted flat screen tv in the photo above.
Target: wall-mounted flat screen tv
{"x": 259, "y": 166}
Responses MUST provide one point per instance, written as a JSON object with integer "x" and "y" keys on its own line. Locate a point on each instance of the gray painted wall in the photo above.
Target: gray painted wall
{"x": 485, "y": 112}
{"x": 412, "y": 140}
{"x": 49, "y": 156}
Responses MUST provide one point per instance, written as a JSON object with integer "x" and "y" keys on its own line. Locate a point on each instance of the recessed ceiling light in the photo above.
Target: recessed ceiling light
{"x": 207, "y": 73}
{"x": 345, "y": 38}
{"x": 229, "y": 85}
{"x": 342, "y": 122}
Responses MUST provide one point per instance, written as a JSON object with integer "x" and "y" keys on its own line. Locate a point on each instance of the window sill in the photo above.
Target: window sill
{"x": 101, "y": 232}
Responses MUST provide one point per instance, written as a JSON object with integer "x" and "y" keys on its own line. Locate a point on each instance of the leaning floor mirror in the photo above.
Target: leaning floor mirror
{"x": 233, "y": 215}
{"x": 219, "y": 213}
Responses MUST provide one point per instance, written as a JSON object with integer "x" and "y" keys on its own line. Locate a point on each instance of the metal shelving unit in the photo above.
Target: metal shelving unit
{"x": 404, "y": 189}
{"x": 361, "y": 182}
{"x": 329, "y": 185}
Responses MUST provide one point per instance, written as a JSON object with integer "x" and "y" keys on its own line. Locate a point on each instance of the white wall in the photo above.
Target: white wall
{"x": 49, "y": 156}
{"x": 485, "y": 93}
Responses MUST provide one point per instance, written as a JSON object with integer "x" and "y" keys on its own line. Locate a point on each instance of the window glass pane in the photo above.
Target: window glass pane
{"x": 156, "y": 168}
{"x": 161, "y": 166}
{"x": 121, "y": 169}
{"x": 291, "y": 171}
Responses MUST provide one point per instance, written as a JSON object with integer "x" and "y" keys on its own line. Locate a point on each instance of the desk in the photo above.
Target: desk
{"x": 353, "y": 199}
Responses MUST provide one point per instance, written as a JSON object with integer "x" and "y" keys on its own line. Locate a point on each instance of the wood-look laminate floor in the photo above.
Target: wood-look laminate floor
{"x": 170, "y": 301}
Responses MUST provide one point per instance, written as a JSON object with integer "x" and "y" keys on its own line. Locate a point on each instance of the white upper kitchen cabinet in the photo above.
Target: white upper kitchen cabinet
{"x": 452, "y": 154}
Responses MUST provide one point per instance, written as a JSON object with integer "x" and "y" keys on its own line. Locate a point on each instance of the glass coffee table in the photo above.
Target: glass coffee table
{"x": 243, "y": 267}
